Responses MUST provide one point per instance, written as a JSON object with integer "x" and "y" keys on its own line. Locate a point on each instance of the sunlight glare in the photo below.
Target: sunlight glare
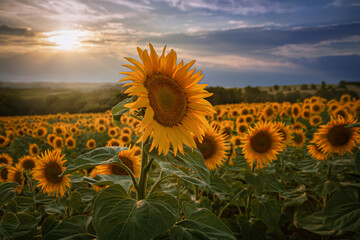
{"x": 66, "y": 39}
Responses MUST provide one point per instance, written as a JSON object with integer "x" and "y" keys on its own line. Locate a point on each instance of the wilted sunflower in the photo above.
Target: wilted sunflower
{"x": 213, "y": 148}
{"x": 5, "y": 159}
{"x": 91, "y": 144}
{"x": 49, "y": 166}
{"x": 261, "y": 144}
{"x": 16, "y": 174}
{"x": 27, "y": 162}
{"x": 174, "y": 101}
{"x": 128, "y": 158}
{"x": 334, "y": 137}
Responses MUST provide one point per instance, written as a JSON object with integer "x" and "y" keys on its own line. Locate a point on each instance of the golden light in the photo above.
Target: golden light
{"x": 66, "y": 39}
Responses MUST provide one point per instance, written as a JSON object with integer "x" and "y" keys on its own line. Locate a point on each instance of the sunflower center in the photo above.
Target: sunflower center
{"x": 4, "y": 173}
{"x": 261, "y": 142}
{"x": 2, "y": 140}
{"x": 339, "y": 135}
{"x": 242, "y": 128}
{"x": 70, "y": 143}
{"x": 207, "y": 147}
{"x": 52, "y": 171}
{"x": 34, "y": 150}
{"x": 58, "y": 143}
{"x": 91, "y": 144}
{"x": 40, "y": 132}
{"x": 237, "y": 142}
{"x": 3, "y": 160}
{"x": 28, "y": 164}
{"x": 167, "y": 99}
{"x": 269, "y": 112}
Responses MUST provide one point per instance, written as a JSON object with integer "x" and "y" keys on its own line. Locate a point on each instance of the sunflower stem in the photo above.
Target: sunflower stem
{"x": 145, "y": 167}
{"x": 158, "y": 181}
{"x": 136, "y": 186}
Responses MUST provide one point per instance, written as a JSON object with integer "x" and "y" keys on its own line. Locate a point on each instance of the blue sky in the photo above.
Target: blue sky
{"x": 236, "y": 43}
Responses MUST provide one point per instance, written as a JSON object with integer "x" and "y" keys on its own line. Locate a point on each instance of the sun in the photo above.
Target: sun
{"x": 66, "y": 39}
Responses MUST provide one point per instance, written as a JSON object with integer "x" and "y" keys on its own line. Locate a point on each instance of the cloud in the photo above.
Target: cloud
{"x": 344, "y": 3}
{"x": 19, "y": 31}
{"x": 243, "y": 7}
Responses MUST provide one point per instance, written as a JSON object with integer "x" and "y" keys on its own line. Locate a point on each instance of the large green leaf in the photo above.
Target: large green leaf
{"x": 124, "y": 181}
{"x": 357, "y": 162}
{"x": 98, "y": 156}
{"x": 254, "y": 180}
{"x": 117, "y": 216}
{"x": 170, "y": 170}
{"x": 7, "y": 192}
{"x": 192, "y": 158}
{"x": 218, "y": 185}
{"x": 342, "y": 211}
{"x": 77, "y": 227}
{"x": 17, "y": 225}
{"x": 295, "y": 197}
{"x": 268, "y": 212}
{"x": 118, "y": 110}
{"x": 200, "y": 223}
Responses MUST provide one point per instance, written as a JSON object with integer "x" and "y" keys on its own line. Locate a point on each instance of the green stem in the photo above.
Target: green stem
{"x": 196, "y": 192}
{"x": 222, "y": 210}
{"x": 145, "y": 167}
{"x": 136, "y": 186}
{"x": 158, "y": 181}
{"x": 248, "y": 200}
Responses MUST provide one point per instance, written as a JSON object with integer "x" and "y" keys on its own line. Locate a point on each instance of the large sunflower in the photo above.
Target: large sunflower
{"x": 213, "y": 148}
{"x": 49, "y": 167}
{"x": 262, "y": 143}
{"x": 174, "y": 101}
{"x": 334, "y": 137}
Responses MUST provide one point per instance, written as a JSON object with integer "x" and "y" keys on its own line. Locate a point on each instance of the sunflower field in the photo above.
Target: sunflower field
{"x": 166, "y": 164}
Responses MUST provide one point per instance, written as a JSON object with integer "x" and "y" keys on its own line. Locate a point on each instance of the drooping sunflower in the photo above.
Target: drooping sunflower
{"x": 213, "y": 148}
{"x": 49, "y": 166}
{"x": 27, "y": 162}
{"x": 5, "y": 159}
{"x": 173, "y": 99}
{"x": 16, "y": 174}
{"x": 335, "y": 137}
{"x": 91, "y": 144}
{"x": 128, "y": 158}
{"x": 261, "y": 144}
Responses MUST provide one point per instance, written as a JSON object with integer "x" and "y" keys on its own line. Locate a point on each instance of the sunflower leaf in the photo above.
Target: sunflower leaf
{"x": 98, "y": 156}
{"x": 17, "y": 225}
{"x": 118, "y": 110}
{"x": 7, "y": 192}
{"x": 192, "y": 159}
{"x": 117, "y": 216}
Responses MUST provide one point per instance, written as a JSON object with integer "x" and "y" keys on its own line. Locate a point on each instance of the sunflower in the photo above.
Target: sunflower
{"x": 4, "y": 173}
{"x": 341, "y": 111}
{"x": 334, "y": 137}
{"x": 126, "y": 130}
{"x": 236, "y": 141}
{"x": 20, "y": 133}
{"x": 58, "y": 130}
{"x": 49, "y": 166}
{"x": 315, "y": 120}
{"x": 242, "y": 128}
{"x": 316, "y": 108}
{"x": 174, "y": 101}
{"x": 261, "y": 144}
{"x": 5, "y": 159}
{"x": 345, "y": 98}
{"x": 93, "y": 174}
{"x": 50, "y": 138}
{"x": 113, "y": 132}
{"x": 41, "y": 132}
{"x": 128, "y": 158}
{"x": 58, "y": 143}
{"x": 4, "y": 141}
{"x": 227, "y": 127}
{"x": 299, "y": 138}
{"x": 296, "y": 110}
{"x": 249, "y": 119}
{"x": 268, "y": 112}
{"x": 27, "y": 162}
{"x": 316, "y": 152}
{"x": 10, "y": 135}
{"x": 305, "y": 114}
{"x": 100, "y": 128}
{"x": 113, "y": 142}
{"x": 91, "y": 144}
{"x": 213, "y": 148}
{"x": 16, "y": 174}
{"x": 70, "y": 143}
{"x": 285, "y": 132}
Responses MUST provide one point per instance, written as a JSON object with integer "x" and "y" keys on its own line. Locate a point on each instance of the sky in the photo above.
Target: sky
{"x": 236, "y": 43}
